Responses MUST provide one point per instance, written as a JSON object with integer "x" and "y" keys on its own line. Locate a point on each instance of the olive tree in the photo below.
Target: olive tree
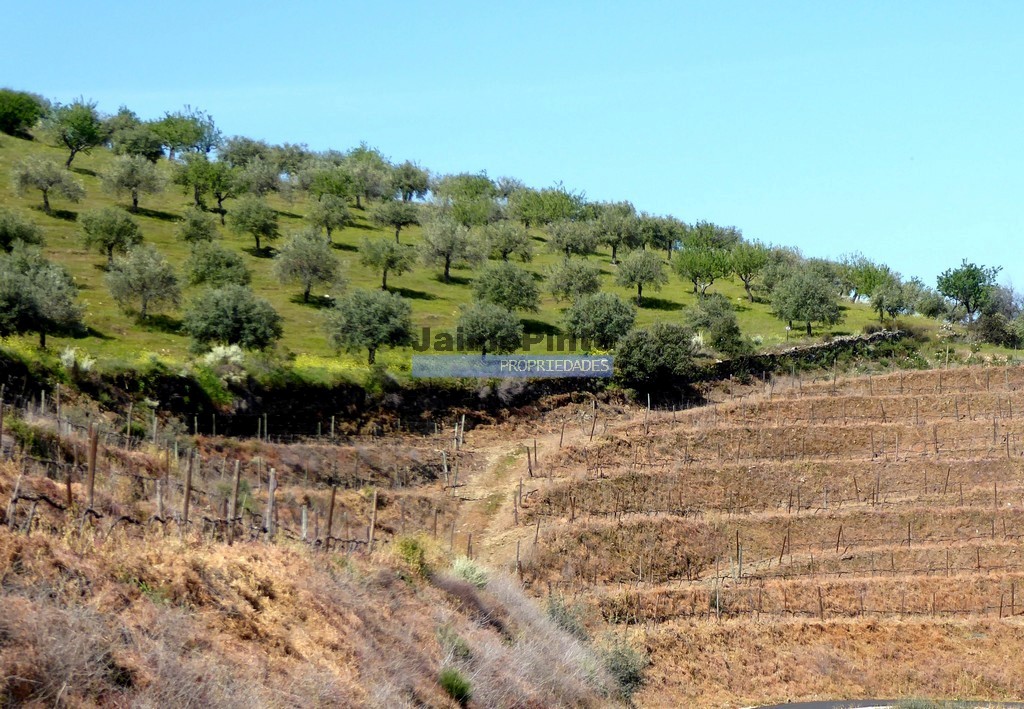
{"x": 197, "y": 227}
{"x": 806, "y": 296}
{"x": 133, "y": 174}
{"x": 505, "y": 284}
{"x": 306, "y": 259}
{"x": 490, "y": 328}
{"x": 328, "y": 213}
{"x": 19, "y": 111}
{"x": 969, "y": 286}
{"x": 572, "y": 238}
{"x": 385, "y": 256}
{"x": 447, "y": 243}
{"x": 701, "y": 267}
{"x": 508, "y": 238}
{"x": 232, "y": 315}
{"x": 78, "y": 127}
{"x": 600, "y": 318}
{"x": 396, "y": 215}
{"x": 14, "y": 229}
{"x": 409, "y": 180}
{"x": 747, "y": 260}
{"x": 109, "y": 230}
{"x": 254, "y": 217}
{"x": 657, "y": 358}
{"x": 210, "y": 264}
{"x": 36, "y": 173}
{"x": 143, "y": 281}
{"x": 641, "y": 268}
{"x": 36, "y": 295}
{"x": 573, "y": 278}
{"x": 369, "y": 320}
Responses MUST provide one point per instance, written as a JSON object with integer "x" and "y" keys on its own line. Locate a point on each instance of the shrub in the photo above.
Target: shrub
{"x": 568, "y": 618}
{"x": 457, "y": 686}
{"x": 468, "y": 570}
{"x": 413, "y": 553}
{"x": 626, "y": 665}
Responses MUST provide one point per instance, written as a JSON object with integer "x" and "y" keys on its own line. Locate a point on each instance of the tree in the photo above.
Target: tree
{"x": 656, "y": 359}
{"x": 808, "y": 296}
{"x": 705, "y": 235}
{"x": 386, "y": 257}
{"x": 890, "y": 298}
{"x": 448, "y": 243}
{"x": 36, "y": 173}
{"x": 370, "y": 171}
{"x": 143, "y": 281}
{"x": 490, "y": 328}
{"x": 396, "y": 215}
{"x": 36, "y": 295}
{"x": 193, "y": 174}
{"x": 468, "y": 199}
{"x": 969, "y": 286}
{"x": 572, "y": 238}
{"x": 370, "y": 319}
{"x": 600, "y": 318}
{"x": 641, "y": 268}
{"x": 661, "y": 232}
{"x": 212, "y": 265}
{"x": 19, "y": 111}
{"x": 747, "y": 260}
{"x": 78, "y": 127}
{"x": 260, "y": 177}
{"x": 324, "y": 180}
{"x": 133, "y": 174}
{"x": 224, "y": 182}
{"x": 716, "y": 318}
{"x": 196, "y": 227}
{"x": 617, "y": 226}
{"x": 507, "y": 285}
{"x": 232, "y": 315}
{"x": 190, "y": 129}
{"x": 110, "y": 231}
{"x": 701, "y": 267}
{"x": 256, "y": 218}
{"x": 546, "y": 206}
{"x": 239, "y": 151}
{"x": 574, "y": 278}
{"x": 14, "y": 230}
{"x": 861, "y": 276}
{"x": 409, "y": 181}
{"x": 306, "y": 259}
{"x": 139, "y": 139}
{"x": 329, "y": 213}
{"x": 507, "y": 238}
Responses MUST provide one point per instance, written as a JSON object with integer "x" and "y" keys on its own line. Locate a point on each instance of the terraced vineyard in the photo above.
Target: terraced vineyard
{"x": 837, "y": 538}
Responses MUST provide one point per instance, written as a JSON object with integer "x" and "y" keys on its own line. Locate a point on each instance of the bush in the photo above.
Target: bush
{"x": 715, "y": 316}
{"x": 413, "y": 553}
{"x": 626, "y": 665}
{"x": 468, "y": 570}
{"x": 656, "y": 358}
{"x": 19, "y": 111}
{"x": 568, "y": 618}
{"x": 457, "y": 686}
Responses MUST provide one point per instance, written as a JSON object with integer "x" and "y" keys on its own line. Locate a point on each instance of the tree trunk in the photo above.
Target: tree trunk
{"x": 110, "y": 257}
{"x": 615, "y": 250}
{"x": 372, "y": 359}
{"x": 808, "y": 328}
{"x": 447, "y": 269}
{"x": 329, "y": 239}
{"x": 750, "y": 293}
{"x": 359, "y": 205}
{"x": 142, "y": 310}
{"x": 398, "y": 230}
{"x": 135, "y": 201}
{"x": 384, "y": 280}
{"x": 42, "y": 339}
{"x": 305, "y": 293}
{"x": 639, "y": 294}
{"x": 197, "y": 197}
{"x": 257, "y": 237}
{"x": 46, "y": 202}
{"x": 67, "y": 165}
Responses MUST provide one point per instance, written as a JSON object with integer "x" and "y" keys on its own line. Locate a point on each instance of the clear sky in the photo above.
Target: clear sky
{"x": 893, "y": 128}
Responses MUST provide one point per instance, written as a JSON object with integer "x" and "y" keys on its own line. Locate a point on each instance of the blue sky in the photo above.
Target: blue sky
{"x": 893, "y": 128}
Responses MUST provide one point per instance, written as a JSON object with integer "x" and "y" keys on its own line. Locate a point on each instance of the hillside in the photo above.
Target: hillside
{"x": 116, "y": 337}
{"x": 796, "y": 539}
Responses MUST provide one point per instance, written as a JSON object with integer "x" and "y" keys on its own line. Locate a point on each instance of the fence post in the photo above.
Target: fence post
{"x": 330, "y": 516}
{"x": 305, "y": 522}
{"x": 373, "y": 522}
{"x": 94, "y": 440}
{"x": 271, "y": 491}
{"x": 188, "y": 495}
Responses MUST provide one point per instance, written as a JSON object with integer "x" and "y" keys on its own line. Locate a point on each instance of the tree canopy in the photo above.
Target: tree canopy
{"x": 490, "y": 328}
{"x": 212, "y": 265}
{"x": 806, "y": 296}
{"x": 15, "y": 229}
{"x": 232, "y": 315}
{"x": 19, "y": 111}
{"x": 134, "y": 175}
{"x": 641, "y": 268}
{"x": 370, "y": 320}
{"x": 447, "y": 243}
{"x": 600, "y": 318}
{"x": 252, "y": 216}
{"x": 143, "y": 281}
{"x": 573, "y": 278}
{"x": 396, "y": 215}
{"x": 38, "y": 173}
{"x": 505, "y": 284}
{"x": 968, "y": 286}
{"x": 36, "y": 295}
{"x": 386, "y": 256}
{"x": 78, "y": 127}
{"x": 306, "y": 259}
{"x": 110, "y": 231}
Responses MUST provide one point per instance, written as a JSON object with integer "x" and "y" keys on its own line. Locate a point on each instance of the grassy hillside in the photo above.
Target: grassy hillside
{"x": 115, "y": 336}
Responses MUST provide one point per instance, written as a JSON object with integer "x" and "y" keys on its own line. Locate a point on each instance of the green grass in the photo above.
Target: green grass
{"x": 115, "y": 339}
